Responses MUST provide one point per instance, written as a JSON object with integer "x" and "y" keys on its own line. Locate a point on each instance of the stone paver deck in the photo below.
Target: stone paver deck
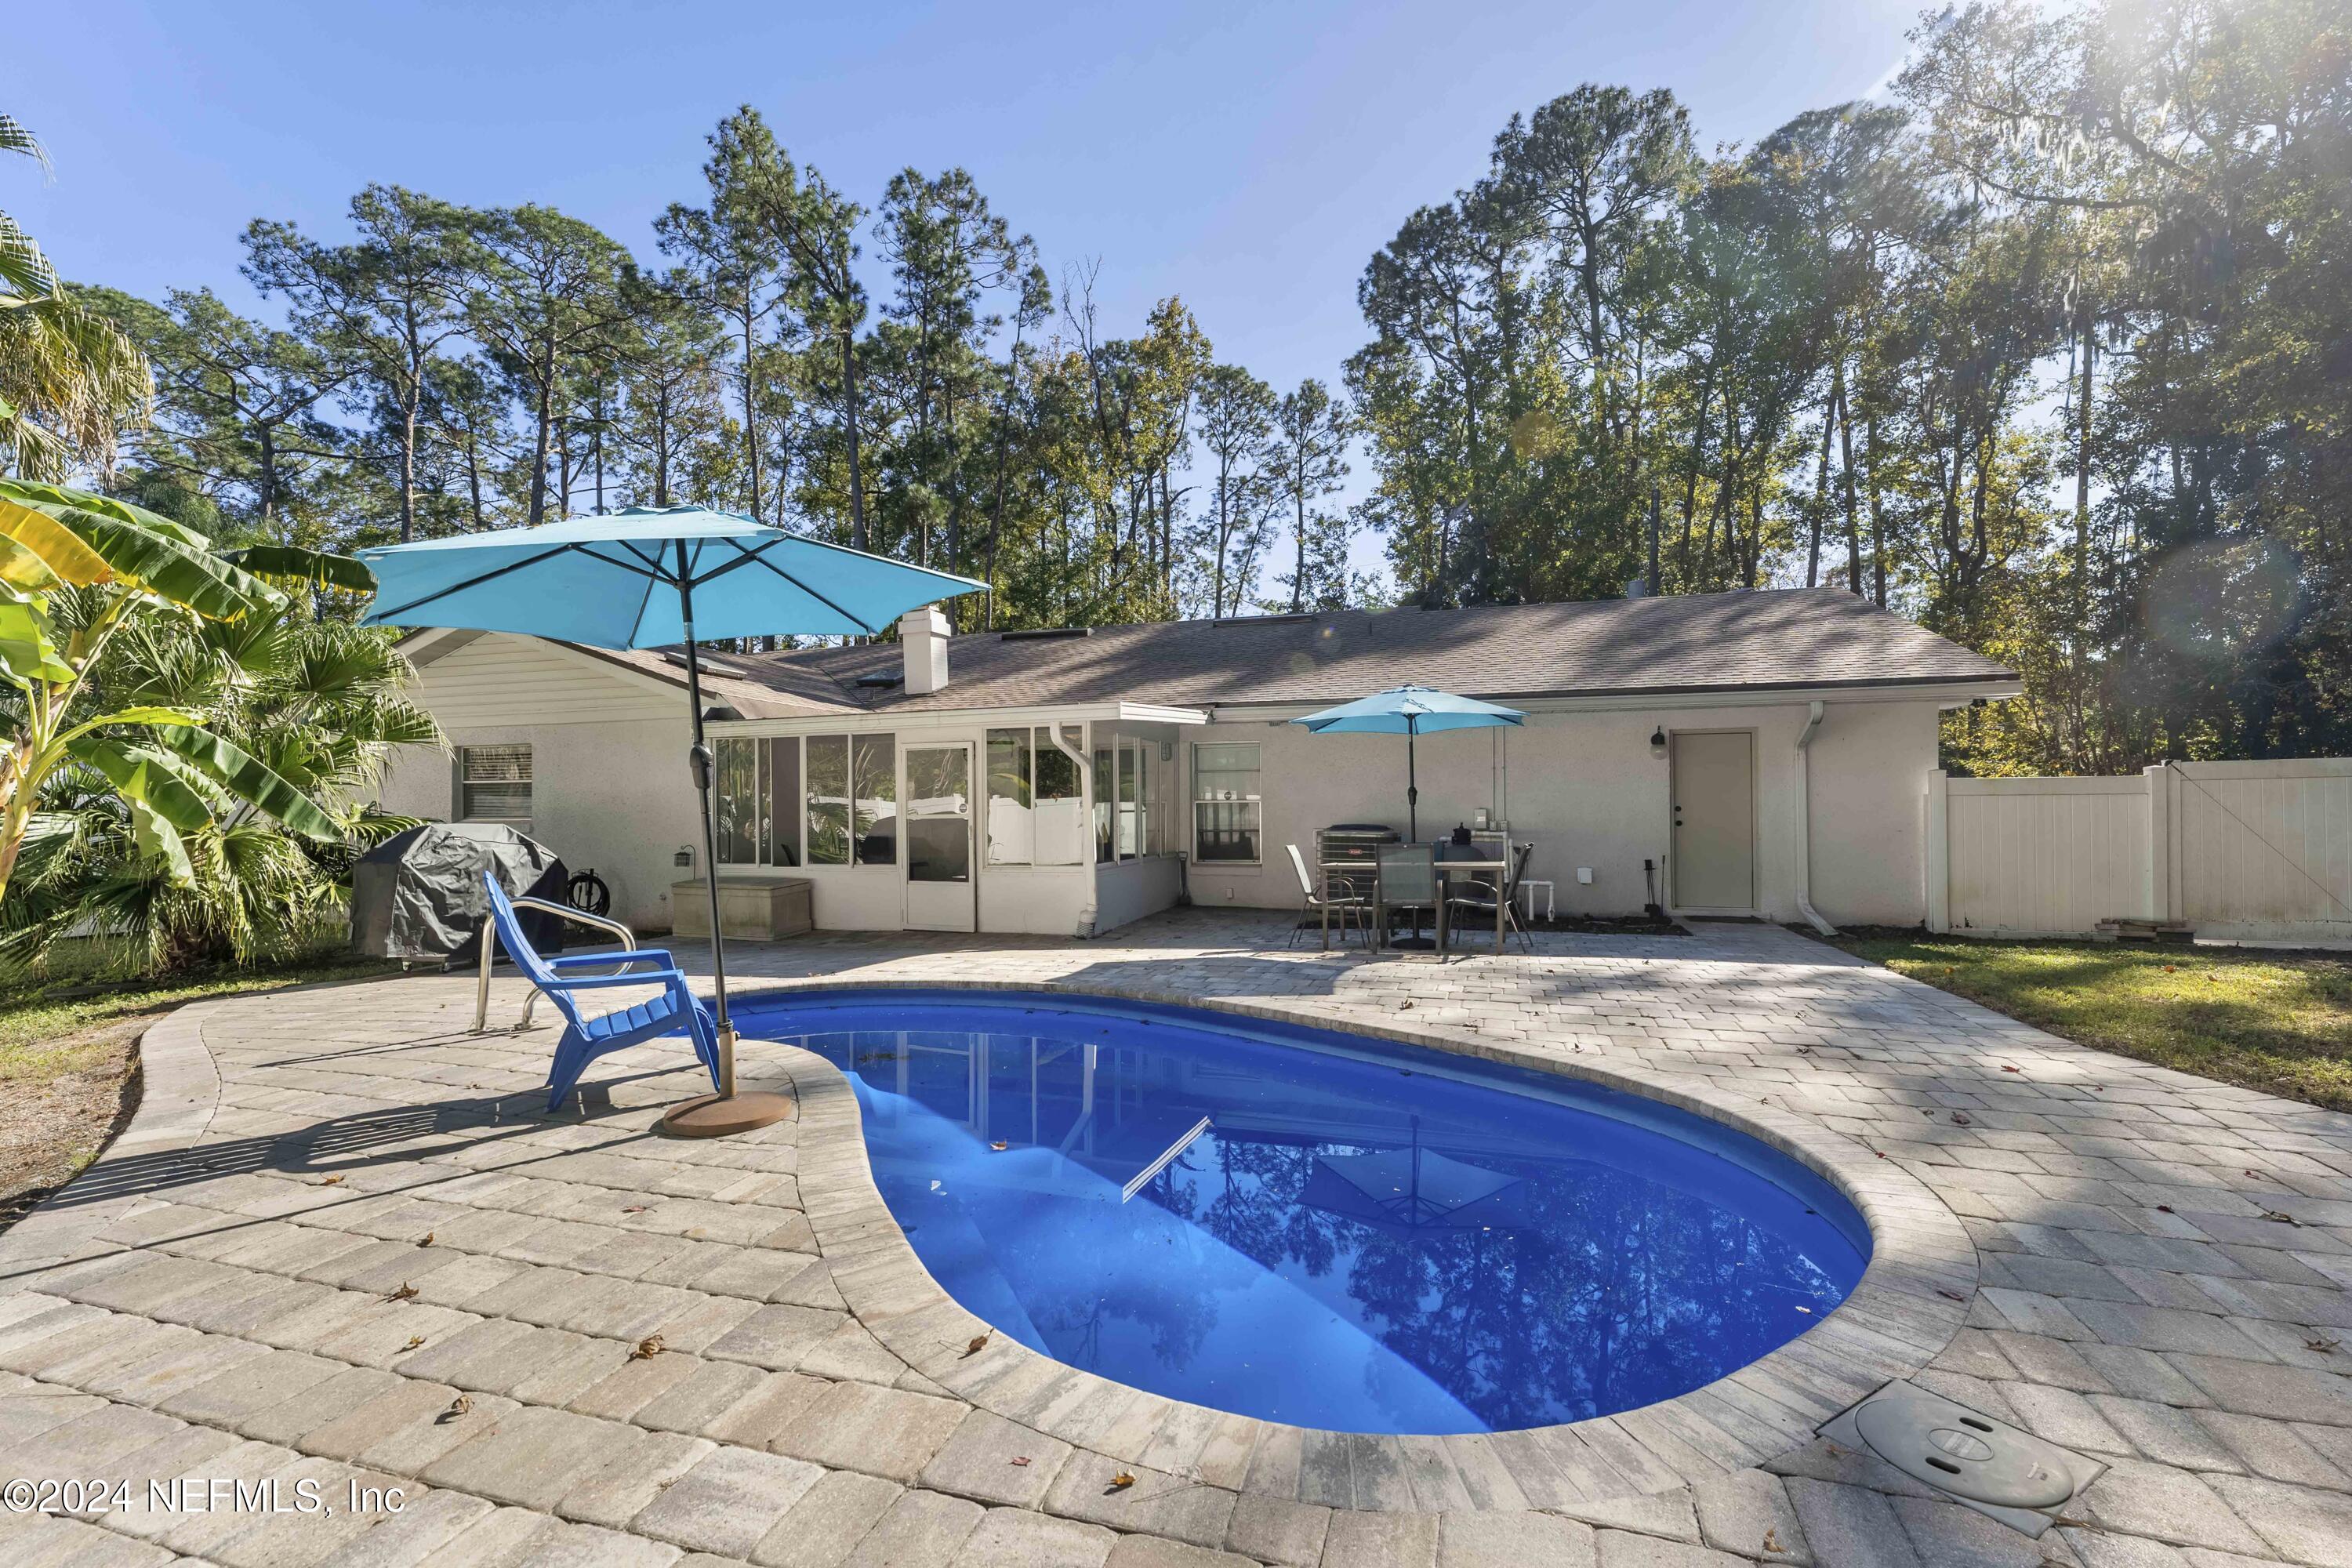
{"x": 338, "y": 1248}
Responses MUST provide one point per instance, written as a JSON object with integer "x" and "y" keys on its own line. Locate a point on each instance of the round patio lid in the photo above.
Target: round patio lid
{"x": 1960, "y": 1452}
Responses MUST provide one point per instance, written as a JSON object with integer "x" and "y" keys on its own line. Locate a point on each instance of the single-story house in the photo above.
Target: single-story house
{"x": 1746, "y": 754}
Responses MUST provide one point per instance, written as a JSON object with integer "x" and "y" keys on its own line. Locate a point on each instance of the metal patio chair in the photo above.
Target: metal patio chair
{"x": 1408, "y": 881}
{"x": 1327, "y": 902}
{"x": 1478, "y": 897}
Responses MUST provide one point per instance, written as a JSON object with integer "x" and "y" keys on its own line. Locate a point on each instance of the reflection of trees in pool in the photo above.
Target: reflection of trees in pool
{"x": 1601, "y": 1289}
{"x": 1604, "y": 1287}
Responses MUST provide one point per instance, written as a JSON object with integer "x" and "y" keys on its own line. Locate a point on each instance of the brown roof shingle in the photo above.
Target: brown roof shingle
{"x": 1684, "y": 643}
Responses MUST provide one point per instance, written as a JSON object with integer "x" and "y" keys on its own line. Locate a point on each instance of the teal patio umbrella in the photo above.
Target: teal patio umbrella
{"x": 1411, "y": 712}
{"x": 658, "y": 577}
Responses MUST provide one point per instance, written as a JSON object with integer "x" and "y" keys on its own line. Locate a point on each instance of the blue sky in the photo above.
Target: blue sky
{"x": 1247, "y": 158}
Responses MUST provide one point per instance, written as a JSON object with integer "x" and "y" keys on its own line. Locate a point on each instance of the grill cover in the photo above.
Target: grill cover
{"x": 418, "y": 895}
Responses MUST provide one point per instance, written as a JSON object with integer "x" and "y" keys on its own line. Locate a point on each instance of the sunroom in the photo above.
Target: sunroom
{"x": 1055, "y": 820}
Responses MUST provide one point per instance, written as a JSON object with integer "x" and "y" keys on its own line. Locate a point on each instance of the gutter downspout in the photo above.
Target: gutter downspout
{"x": 1813, "y": 715}
{"x": 1085, "y": 921}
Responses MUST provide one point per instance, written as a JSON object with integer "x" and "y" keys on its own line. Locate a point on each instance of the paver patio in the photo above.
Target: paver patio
{"x": 338, "y": 1244}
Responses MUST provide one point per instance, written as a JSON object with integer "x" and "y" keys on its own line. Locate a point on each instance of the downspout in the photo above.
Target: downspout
{"x": 1085, "y": 921}
{"x": 1813, "y": 714}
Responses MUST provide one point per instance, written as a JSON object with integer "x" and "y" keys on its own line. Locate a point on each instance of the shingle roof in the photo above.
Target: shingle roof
{"x": 1684, "y": 643}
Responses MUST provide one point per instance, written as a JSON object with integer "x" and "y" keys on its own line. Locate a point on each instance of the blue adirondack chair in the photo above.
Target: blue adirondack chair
{"x": 585, "y": 1039}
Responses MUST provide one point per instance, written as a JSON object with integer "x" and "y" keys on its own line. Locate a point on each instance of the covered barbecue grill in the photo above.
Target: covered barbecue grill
{"x": 418, "y": 896}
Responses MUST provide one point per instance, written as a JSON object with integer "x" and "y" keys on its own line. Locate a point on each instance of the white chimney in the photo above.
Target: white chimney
{"x": 924, "y": 635}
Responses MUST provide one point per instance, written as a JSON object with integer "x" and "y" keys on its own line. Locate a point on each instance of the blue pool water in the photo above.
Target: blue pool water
{"x": 1364, "y": 1236}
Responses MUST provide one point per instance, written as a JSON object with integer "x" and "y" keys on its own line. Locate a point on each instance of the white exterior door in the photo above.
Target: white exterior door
{"x": 1715, "y": 820}
{"x": 938, "y": 796}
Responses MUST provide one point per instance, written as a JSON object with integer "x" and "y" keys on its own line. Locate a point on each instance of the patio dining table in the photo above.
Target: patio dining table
{"x": 1357, "y": 871}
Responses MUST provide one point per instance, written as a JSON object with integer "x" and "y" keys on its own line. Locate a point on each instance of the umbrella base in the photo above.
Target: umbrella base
{"x": 711, "y": 1116}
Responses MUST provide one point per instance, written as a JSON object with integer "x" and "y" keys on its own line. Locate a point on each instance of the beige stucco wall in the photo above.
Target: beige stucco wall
{"x": 611, "y": 797}
{"x": 1590, "y": 791}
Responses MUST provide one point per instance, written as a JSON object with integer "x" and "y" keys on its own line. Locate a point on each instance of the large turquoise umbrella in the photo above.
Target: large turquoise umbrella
{"x": 656, "y": 577}
{"x": 1411, "y": 712}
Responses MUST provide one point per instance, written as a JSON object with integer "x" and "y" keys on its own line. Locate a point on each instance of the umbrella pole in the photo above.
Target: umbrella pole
{"x": 713, "y": 1115}
{"x": 1412, "y": 793}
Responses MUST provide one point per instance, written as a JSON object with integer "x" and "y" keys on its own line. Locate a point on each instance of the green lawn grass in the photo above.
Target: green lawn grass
{"x": 2275, "y": 1020}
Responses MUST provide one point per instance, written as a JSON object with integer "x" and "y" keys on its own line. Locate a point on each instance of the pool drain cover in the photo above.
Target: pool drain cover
{"x": 1988, "y": 1465}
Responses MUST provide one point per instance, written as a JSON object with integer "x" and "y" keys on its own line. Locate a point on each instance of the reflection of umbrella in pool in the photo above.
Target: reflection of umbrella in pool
{"x": 1413, "y": 1191}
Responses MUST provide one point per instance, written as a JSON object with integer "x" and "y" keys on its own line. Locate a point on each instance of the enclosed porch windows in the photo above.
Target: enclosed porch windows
{"x": 1037, "y": 810}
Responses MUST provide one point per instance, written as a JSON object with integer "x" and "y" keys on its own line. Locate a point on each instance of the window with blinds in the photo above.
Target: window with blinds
{"x": 494, "y": 783}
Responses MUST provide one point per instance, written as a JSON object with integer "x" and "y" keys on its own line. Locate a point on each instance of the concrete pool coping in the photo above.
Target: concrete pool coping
{"x": 1913, "y": 1297}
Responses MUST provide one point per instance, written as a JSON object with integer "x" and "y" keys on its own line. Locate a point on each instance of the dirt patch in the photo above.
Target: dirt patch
{"x": 54, "y": 1122}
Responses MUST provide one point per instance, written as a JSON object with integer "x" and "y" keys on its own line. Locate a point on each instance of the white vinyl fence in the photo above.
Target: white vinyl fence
{"x": 2250, "y": 850}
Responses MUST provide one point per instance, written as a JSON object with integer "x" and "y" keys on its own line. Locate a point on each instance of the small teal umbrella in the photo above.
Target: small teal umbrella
{"x": 1411, "y": 711}
{"x": 655, "y": 577}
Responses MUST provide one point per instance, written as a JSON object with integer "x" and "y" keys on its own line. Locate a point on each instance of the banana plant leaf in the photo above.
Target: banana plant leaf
{"x": 34, "y": 492}
{"x": 26, "y": 655}
{"x": 320, "y": 566}
{"x": 58, "y": 547}
{"x": 249, "y": 779}
{"x": 144, "y": 779}
{"x": 186, "y": 574}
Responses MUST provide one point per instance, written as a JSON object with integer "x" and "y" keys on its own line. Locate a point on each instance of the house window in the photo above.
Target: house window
{"x": 494, "y": 783}
{"x": 1227, "y": 810}
{"x": 757, "y": 785}
{"x": 853, "y": 800}
{"x": 742, "y": 806}
{"x": 1037, "y": 810}
{"x": 828, "y": 800}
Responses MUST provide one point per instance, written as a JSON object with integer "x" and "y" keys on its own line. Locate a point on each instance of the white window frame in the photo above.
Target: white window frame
{"x": 1256, "y": 800}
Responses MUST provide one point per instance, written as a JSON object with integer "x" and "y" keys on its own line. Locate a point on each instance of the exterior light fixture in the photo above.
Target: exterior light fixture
{"x": 1658, "y": 739}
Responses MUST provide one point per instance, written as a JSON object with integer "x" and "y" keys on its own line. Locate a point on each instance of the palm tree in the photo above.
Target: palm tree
{"x": 319, "y": 702}
{"x": 68, "y": 378}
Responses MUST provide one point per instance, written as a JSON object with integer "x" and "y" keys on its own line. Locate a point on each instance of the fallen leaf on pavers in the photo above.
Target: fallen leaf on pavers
{"x": 1405, "y": 1005}
{"x": 1020, "y": 1461}
{"x": 457, "y": 1406}
{"x": 647, "y": 1348}
{"x": 2163, "y": 1208}
{"x": 1772, "y": 1541}
{"x": 328, "y": 1182}
{"x": 1120, "y": 1482}
{"x": 2254, "y": 1175}
{"x": 1949, "y": 1295}
{"x": 1804, "y": 1051}
{"x": 2325, "y": 1347}
{"x": 979, "y": 1343}
{"x": 696, "y": 1234}
{"x": 634, "y": 1208}
{"x": 413, "y": 1341}
{"x": 2277, "y": 1218}
{"x": 1000, "y": 1148}
{"x": 403, "y": 1293}
{"x": 2006, "y": 1067}
{"x": 1960, "y": 1118}
{"x": 425, "y": 1240}
{"x": 1880, "y": 1153}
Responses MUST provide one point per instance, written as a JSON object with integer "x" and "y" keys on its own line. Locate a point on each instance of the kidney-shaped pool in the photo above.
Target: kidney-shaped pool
{"x": 1322, "y": 1228}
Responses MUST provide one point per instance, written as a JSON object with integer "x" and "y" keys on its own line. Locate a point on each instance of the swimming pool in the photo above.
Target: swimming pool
{"x": 1315, "y": 1228}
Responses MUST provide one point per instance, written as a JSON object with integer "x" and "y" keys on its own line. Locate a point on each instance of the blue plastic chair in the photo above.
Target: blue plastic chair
{"x": 584, "y": 1038}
